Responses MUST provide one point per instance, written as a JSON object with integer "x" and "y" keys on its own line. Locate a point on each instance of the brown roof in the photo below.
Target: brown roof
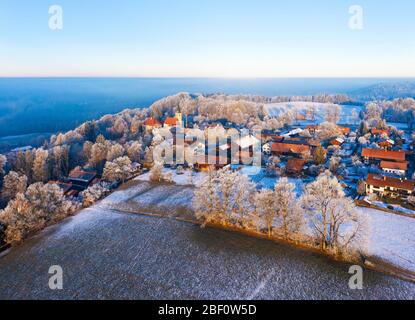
{"x": 379, "y": 131}
{"x": 151, "y": 122}
{"x": 171, "y": 121}
{"x": 344, "y": 130}
{"x": 295, "y": 165}
{"x": 382, "y": 181}
{"x": 289, "y": 148}
{"x": 66, "y": 187}
{"x": 394, "y": 165}
{"x": 384, "y": 154}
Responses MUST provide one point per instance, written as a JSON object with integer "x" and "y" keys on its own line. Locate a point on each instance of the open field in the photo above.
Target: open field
{"x": 105, "y": 254}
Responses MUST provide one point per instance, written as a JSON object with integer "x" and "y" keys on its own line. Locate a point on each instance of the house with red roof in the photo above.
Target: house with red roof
{"x": 152, "y": 123}
{"x": 281, "y": 148}
{"x": 389, "y": 187}
{"x": 398, "y": 168}
{"x": 377, "y": 155}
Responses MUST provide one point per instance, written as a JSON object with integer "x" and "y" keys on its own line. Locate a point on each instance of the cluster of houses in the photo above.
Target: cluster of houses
{"x": 388, "y": 165}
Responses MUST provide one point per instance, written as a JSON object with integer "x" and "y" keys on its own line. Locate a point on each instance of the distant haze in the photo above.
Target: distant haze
{"x": 35, "y": 105}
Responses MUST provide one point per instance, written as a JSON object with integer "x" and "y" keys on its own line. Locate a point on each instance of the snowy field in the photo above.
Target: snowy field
{"x": 392, "y": 238}
{"x": 276, "y": 109}
{"x": 108, "y": 255}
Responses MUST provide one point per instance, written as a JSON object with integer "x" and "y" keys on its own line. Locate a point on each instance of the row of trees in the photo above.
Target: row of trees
{"x": 323, "y": 216}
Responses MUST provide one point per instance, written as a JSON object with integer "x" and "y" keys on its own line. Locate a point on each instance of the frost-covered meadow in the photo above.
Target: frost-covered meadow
{"x": 302, "y": 107}
{"x": 106, "y": 254}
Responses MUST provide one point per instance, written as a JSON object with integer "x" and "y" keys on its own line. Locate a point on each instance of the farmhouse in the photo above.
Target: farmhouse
{"x": 290, "y": 149}
{"x": 389, "y": 187}
{"x": 398, "y": 168}
{"x": 375, "y": 155}
{"x": 82, "y": 179}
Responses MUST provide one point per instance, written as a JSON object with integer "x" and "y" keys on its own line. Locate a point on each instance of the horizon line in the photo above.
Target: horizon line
{"x": 200, "y": 77}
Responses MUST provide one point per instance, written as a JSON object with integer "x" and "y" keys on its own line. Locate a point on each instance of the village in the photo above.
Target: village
{"x": 375, "y": 166}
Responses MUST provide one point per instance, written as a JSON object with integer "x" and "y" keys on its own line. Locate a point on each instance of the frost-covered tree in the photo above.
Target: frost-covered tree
{"x": 289, "y": 214}
{"x": 41, "y": 205}
{"x": 13, "y": 184}
{"x": 333, "y": 113}
{"x": 335, "y": 222}
{"x": 94, "y": 193}
{"x": 41, "y": 166}
{"x": 118, "y": 170}
{"x": 265, "y": 205}
{"x": 60, "y": 163}
{"x": 98, "y": 154}
{"x": 318, "y": 201}
{"x": 231, "y": 198}
{"x": 334, "y": 164}
{"x": 3, "y": 161}
{"x": 134, "y": 151}
{"x": 115, "y": 151}
{"x": 156, "y": 172}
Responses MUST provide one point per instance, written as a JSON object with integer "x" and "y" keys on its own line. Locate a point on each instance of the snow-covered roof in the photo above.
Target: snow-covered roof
{"x": 293, "y": 132}
{"x": 247, "y": 141}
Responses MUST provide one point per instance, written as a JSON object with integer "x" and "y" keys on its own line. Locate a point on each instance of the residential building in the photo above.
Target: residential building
{"x": 152, "y": 123}
{"x": 399, "y": 168}
{"x": 389, "y": 187}
{"x": 377, "y": 155}
{"x": 289, "y": 149}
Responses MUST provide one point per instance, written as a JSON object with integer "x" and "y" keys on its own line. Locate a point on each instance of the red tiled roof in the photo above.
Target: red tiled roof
{"x": 295, "y": 165}
{"x": 394, "y": 165}
{"x": 289, "y": 148}
{"x": 170, "y": 121}
{"x": 335, "y": 142}
{"x": 151, "y": 122}
{"x": 344, "y": 130}
{"x": 379, "y": 131}
{"x": 384, "y": 154}
{"x": 382, "y": 181}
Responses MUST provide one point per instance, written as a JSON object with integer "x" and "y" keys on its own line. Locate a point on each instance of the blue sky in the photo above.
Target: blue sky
{"x": 207, "y": 38}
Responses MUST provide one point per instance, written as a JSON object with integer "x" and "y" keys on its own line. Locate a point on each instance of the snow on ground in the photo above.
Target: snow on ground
{"x": 392, "y": 238}
{"x": 396, "y": 207}
{"x": 276, "y": 109}
{"x": 179, "y": 179}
